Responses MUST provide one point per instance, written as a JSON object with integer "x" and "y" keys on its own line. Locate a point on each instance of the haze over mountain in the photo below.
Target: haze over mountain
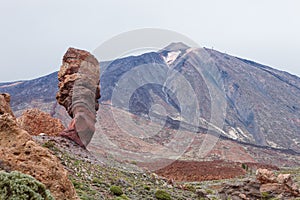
{"x": 193, "y": 89}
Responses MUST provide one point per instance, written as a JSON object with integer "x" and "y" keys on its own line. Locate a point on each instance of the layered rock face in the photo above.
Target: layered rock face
{"x": 19, "y": 152}
{"x": 79, "y": 92}
{"x": 36, "y": 122}
{"x": 5, "y": 104}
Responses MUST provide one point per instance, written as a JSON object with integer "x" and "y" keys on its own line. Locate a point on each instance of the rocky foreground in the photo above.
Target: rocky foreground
{"x": 93, "y": 178}
{"x": 18, "y": 151}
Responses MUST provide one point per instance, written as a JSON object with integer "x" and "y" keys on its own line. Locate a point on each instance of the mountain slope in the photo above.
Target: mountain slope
{"x": 195, "y": 89}
{"x": 39, "y": 93}
{"x": 261, "y": 103}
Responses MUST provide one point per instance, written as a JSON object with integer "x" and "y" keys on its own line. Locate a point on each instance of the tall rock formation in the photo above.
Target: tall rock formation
{"x": 79, "y": 92}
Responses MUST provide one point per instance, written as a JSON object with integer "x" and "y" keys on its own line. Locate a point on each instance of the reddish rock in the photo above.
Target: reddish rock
{"x": 19, "y": 152}
{"x": 5, "y": 104}
{"x": 36, "y": 122}
{"x": 79, "y": 92}
{"x": 79, "y": 71}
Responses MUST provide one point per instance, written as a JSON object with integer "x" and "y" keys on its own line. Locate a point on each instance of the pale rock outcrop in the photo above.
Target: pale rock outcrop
{"x": 282, "y": 184}
{"x": 265, "y": 176}
{"x": 266, "y": 186}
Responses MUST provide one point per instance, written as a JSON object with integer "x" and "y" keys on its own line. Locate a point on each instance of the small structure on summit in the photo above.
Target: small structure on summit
{"x": 79, "y": 91}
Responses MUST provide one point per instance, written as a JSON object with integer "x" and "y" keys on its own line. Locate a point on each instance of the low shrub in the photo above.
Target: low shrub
{"x": 147, "y": 187}
{"x": 122, "y": 197}
{"x": 116, "y": 190}
{"x": 18, "y": 186}
{"x": 162, "y": 195}
{"x": 190, "y": 188}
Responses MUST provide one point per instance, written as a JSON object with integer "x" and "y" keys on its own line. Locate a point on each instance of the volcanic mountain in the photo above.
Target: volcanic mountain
{"x": 198, "y": 90}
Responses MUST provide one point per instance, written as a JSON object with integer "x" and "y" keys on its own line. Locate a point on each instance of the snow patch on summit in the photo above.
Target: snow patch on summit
{"x": 171, "y": 57}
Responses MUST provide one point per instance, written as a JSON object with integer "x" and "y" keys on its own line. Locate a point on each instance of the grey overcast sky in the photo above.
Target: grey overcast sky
{"x": 35, "y": 33}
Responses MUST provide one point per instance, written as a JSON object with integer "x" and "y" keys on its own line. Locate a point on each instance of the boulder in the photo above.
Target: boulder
{"x": 265, "y": 176}
{"x": 266, "y": 185}
{"x": 285, "y": 179}
{"x": 36, "y": 122}
{"x": 283, "y": 184}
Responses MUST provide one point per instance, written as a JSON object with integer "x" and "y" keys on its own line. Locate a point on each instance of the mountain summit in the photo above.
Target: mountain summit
{"x": 261, "y": 105}
{"x": 175, "y": 46}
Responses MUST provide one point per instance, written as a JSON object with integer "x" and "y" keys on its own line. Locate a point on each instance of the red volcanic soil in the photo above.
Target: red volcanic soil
{"x": 207, "y": 170}
{"x": 255, "y": 166}
{"x": 201, "y": 171}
